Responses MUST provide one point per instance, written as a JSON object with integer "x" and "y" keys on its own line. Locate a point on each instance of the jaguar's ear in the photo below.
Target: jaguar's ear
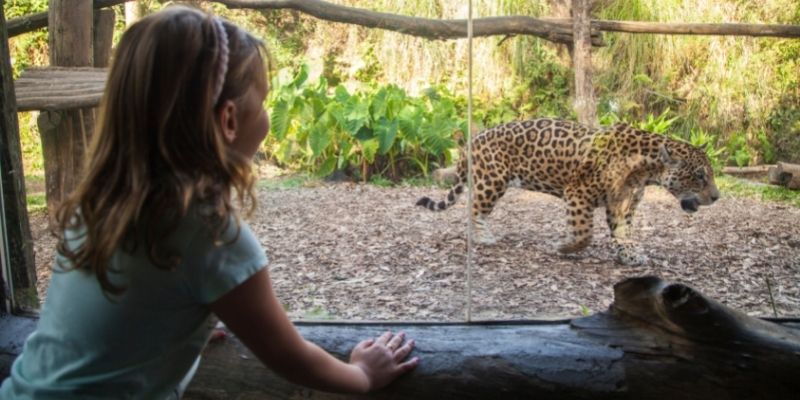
{"x": 666, "y": 158}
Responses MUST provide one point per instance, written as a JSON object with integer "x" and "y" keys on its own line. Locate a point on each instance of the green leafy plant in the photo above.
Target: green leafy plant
{"x": 657, "y": 124}
{"x": 737, "y": 149}
{"x": 378, "y": 130}
{"x": 702, "y": 139}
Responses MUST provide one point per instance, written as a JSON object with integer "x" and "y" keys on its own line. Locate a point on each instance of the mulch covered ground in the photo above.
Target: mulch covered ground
{"x": 360, "y": 252}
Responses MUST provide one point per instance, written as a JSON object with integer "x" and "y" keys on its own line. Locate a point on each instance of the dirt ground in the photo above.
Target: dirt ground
{"x": 360, "y": 252}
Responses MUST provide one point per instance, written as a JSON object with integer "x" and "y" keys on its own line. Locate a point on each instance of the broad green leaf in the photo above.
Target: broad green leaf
{"x": 279, "y": 120}
{"x": 327, "y": 167}
{"x": 341, "y": 94}
{"x": 365, "y": 134}
{"x": 369, "y": 148}
{"x": 301, "y": 77}
{"x": 319, "y": 138}
{"x": 378, "y": 106}
{"x": 345, "y": 153}
{"x": 410, "y": 120}
{"x": 386, "y": 131}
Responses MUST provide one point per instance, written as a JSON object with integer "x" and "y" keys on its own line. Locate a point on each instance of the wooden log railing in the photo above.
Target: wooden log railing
{"x": 59, "y": 88}
{"x": 555, "y": 29}
{"x": 656, "y": 341}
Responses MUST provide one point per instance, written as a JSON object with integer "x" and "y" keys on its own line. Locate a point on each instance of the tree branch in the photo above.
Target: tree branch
{"x": 553, "y": 30}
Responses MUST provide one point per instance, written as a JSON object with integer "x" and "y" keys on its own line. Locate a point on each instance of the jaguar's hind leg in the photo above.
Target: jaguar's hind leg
{"x": 579, "y": 222}
{"x": 487, "y": 193}
{"x": 483, "y": 235}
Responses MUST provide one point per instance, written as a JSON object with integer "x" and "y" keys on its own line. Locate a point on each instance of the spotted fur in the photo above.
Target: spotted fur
{"x": 587, "y": 168}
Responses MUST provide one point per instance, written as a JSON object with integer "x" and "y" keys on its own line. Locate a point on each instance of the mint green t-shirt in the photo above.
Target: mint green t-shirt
{"x": 139, "y": 345}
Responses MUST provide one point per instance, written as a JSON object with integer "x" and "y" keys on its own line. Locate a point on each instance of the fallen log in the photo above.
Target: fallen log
{"x": 657, "y": 341}
{"x": 785, "y": 174}
{"x": 751, "y": 172}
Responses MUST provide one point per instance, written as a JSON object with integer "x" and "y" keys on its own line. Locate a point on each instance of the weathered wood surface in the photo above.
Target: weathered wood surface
{"x": 785, "y": 174}
{"x": 60, "y": 88}
{"x": 584, "y": 104}
{"x": 104, "y": 21}
{"x": 657, "y": 341}
{"x": 18, "y": 239}
{"x": 65, "y": 134}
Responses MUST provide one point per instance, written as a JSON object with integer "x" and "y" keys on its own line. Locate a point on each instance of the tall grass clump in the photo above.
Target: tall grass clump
{"x": 733, "y": 87}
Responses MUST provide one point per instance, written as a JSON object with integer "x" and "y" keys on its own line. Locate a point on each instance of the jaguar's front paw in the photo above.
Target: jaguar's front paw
{"x": 485, "y": 238}
{"x": 630, "y": 256}
{"x": 573, "y": 246}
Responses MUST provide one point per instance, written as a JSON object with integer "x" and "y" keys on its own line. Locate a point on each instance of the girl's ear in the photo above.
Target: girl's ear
{"x": 227, "y": 120}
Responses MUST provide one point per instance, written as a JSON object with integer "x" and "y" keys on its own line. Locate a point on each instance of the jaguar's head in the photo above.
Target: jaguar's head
{"x": 688, "y": 175}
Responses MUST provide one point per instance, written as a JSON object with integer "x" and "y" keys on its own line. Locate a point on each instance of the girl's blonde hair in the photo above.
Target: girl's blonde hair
{"x": 158, "y": 147}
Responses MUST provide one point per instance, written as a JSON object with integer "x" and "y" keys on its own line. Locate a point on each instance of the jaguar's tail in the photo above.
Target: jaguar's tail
{"x": 452, "y": 196}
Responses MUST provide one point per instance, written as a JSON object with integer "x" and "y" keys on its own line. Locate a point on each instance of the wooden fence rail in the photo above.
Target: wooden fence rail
{"x": 557, "y": 30}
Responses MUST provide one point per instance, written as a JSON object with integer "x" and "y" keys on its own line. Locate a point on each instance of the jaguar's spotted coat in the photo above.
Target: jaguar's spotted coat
{"x": 587, "y": 168}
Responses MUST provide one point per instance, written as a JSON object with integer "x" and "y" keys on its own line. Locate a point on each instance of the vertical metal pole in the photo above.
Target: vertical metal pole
{"x": 470, "y": 224}
{"x": 7, "y": 291}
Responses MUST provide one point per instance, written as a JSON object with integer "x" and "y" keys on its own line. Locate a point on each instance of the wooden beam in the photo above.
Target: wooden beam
{"x": 556, "y": 31}
{"x": 59, "y": 88}
{"x": 759, "y": 30}
{"x": 18, "y": 242}
{"x": 32, "y": 22}
{"x": 657, "y": 341}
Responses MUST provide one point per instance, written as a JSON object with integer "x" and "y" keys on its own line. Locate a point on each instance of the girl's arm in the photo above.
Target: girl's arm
{"x": 254, "y": 314}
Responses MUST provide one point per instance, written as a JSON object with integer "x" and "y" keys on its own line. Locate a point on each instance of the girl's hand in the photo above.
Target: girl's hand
{"x": 381, "y": 359}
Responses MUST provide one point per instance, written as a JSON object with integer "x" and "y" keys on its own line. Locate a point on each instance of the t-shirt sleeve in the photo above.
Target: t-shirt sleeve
{"x": 218, "y": 268}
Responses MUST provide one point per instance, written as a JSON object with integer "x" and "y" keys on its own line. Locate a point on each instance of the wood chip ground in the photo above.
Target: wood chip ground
{"x": 361, "y": 252}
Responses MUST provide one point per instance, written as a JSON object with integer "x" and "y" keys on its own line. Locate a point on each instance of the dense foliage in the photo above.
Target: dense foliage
{"x": 369, "y": 102}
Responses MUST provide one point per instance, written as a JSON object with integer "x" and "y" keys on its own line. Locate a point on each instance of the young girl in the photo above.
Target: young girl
{"x": 152, "y": 243}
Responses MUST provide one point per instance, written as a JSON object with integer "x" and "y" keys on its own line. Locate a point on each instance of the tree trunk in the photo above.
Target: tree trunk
{"x": 585, "y": 105}
{"x": 785, "y": 174}
{"x": 656, "y": 341}
{"x": 19, "y": 253}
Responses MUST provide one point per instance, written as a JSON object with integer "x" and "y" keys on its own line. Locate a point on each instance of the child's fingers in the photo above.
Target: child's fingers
{"x": 403, "y": 351}
{"x": 384, "y": 339}
{"x": 396, "y": 341}
{"x": 365, "y": 343}
{"x": 408, "y": 365}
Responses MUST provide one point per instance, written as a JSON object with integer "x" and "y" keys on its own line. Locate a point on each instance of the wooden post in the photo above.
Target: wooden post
{"x": 17, "y": 234}
{"x": 64, "y": 133}
{"x": 584, "y": 104}
{"x": 103, "y": 36}
{"x": 133, "y": 11}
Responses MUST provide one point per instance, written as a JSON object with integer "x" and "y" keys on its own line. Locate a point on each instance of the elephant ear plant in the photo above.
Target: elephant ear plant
{"x": 374, "y": 131}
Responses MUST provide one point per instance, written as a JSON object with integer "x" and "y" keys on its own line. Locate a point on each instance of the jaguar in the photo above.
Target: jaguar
{"x": 587, "y": 168}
